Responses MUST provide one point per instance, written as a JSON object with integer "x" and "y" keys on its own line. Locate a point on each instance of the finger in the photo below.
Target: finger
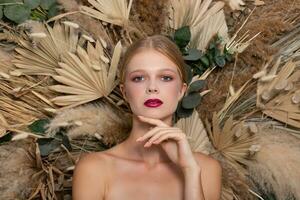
{"x": 152, "y": 121}
{"x": 152, "y": 132}
{"x": 176, "y": 136}
{"x": 156, "y": 136}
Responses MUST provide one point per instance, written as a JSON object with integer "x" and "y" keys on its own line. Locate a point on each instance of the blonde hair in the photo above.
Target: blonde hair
{"x": 158, "y": 43}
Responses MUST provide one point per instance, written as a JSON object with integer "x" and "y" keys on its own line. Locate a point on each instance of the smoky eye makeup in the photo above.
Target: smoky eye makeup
{"x": 137, "y": 78}
{"x": 167, "y": 77}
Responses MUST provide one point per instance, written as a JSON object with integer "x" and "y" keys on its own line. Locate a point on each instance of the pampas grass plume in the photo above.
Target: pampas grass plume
{"x": 99, "y": 119}
{"x": 277, "y": 166}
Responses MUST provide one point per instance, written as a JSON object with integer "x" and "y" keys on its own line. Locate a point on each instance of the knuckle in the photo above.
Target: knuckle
{"x": 183, "y": 136}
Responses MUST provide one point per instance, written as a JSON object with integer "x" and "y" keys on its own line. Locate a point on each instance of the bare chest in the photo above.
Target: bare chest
{"x": 135, "y": 182}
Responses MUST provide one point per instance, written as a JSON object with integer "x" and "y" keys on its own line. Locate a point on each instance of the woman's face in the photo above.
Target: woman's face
{"x": 152, "y": 85}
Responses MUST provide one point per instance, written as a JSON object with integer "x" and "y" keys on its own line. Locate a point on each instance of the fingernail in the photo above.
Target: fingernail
{"x": 147, "y": 144}
{"x": 139, "y": 139}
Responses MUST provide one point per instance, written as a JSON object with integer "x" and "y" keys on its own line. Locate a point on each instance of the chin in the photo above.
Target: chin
{"x": 156, "y": 114}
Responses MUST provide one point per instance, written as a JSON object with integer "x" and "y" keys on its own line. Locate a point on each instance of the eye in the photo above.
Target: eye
{"x": 137, "y": 78}
{"x": 167, "y": 78}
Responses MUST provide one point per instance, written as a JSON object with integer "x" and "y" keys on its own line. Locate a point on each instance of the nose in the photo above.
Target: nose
{"x": 152, "y": 88}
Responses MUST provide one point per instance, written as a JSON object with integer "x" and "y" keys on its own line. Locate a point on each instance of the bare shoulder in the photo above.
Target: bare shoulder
{"x": 211, "y": 176}
{"x": 207, "y": 162}
{"x": 89, "y": 179}
{"x": 93, "y": 158}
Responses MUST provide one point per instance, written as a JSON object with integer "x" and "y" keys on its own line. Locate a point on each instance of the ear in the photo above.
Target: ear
{"x": 122, "y": 89}
{"x": 182, "y": 91}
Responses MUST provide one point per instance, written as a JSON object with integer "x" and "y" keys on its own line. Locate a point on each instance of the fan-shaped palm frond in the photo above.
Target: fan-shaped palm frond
{"x": 113, "y": 11}
{"x": 6, "y": 67}
{"x": 213, "y": 25}
{"x": 234, "y": 141}
{"x": 230, "y": 102}
{"x": 204, "y": 18}
{"x": 278, "y": 94}
{"x": 43, "y": 58}
{"x": 17, "y": 112}
{"x": 86, "y": 76}
{"x": 194, "y": 129}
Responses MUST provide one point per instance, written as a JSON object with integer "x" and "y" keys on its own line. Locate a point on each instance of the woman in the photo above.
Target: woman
{"x": 155, "y": 162}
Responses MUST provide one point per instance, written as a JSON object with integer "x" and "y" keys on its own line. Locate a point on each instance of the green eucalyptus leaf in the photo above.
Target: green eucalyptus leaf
{"x": 196, "y": 86}
{"x": 212, "y": 45}
{"x": 220, "y": 61}
{"x": 10, "y": 2}
{"x": 218, "y": 39}
{"x": 216, "y": 52}
{"x": 46, "y": 4}
{"x": 192, "y": 100}
{"x": 53, "y": 10}
{"x": 189, "y": 73}
{"x": 198, "y": 70}
{"x": 182, "y": 112}
{"x": 39, "y": 126}
{"x": 182, "y": 36}
{"x": 17, "y": 13}
{"x": 193, "y": 55}
{"x": 210, "y": 58}
{"x": 228, "y": 57}
{"x": 205, "y": 61}
{"x": 1, "y": 12}
{"x": 66, "y": 142}
{"x": 47, "y": 145}
{"x": 32, "y": 4}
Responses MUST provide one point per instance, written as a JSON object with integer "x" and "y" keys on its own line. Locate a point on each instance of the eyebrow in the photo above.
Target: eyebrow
{"x": 141, "y": 70}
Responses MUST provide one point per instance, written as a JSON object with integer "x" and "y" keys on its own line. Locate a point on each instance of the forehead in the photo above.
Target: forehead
{"x": 150, "y": 60}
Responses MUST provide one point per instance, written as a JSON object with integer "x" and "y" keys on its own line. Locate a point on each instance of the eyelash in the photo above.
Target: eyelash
{"x": 134, "y": 79}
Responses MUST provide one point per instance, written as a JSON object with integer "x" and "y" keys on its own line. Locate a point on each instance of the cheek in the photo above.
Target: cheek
{"x": 173, "y": 90}
{"x": 133, "y": 91}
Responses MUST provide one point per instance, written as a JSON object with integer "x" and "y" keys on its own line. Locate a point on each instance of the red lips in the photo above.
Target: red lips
{"x": 153, "y": 103}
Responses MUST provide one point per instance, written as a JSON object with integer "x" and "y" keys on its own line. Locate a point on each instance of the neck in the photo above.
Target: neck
{"x": 149, "y": 155}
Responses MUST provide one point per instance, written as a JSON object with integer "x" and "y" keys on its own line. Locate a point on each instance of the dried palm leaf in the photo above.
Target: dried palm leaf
{"x": 5, "y": 62}
{"x": 43, "y": 58}
{"x": 234, "y": 141}
{"x": 194, "y": 129}
{"x": 24, "y": 99}
{"x": 113, "y": 11}
{"x": 235, "y": 4}
{"x": 86, "y": 76}
{"x": 279, "y": 97}
{"x": 204, "y": 19}
{"x": 202, "y": 35}
{"x": 239, "y": 45}
{"x": 230, "y": 102}
{"x": 289, "y": 45}
{"x": 18, "y": 113}
{"x": 3, "y": 123}
{"x": 11, "y": 35}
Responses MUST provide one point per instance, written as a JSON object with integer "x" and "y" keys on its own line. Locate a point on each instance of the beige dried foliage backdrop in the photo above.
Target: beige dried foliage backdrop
{"x": 66, "y": 70}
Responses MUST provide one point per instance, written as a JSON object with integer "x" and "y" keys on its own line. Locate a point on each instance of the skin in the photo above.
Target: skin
{"x": 155, "y": 161}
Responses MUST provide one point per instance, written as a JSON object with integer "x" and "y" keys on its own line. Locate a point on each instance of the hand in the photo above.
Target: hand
{"x": 172, "y": 140}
